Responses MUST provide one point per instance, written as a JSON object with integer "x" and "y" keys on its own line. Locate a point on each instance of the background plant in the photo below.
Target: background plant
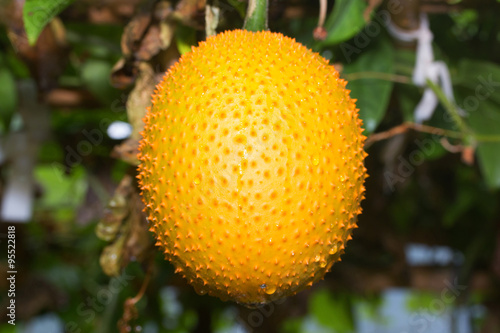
{"x": 69, "y": 69}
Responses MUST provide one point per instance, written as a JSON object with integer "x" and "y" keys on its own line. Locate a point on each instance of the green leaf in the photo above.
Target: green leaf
{"x": 16, "y": 66}
{"x": 478, "y": 94}
{"x": 408, "y": 95}
{"x": 8, "y": 96}
{"x": 62, "y": 194}
{"x": 8, "y": 328}
{"x": 408, "y": 98}
{"x": 489, "y": 161}
{"x": 95, "y": 76}
{"x": 485, "y": 124}
{"x": 404, "y": 62}
{"x": 421, "y": 300}
{"x": 345, "y": 21}
{"x": 94, "y": 40}
{"x": 37, "y": 13}
{"x": 465, "y": 199}
{"x": 185, "y": 38}
{"x": 482, "y": 77}
{"x": 239, "y": 6}
{"x": 291, "y": 325}
{"x": 65, "y": 276}
{"x": 332, "y": 312}
{"x": 372, "y": 93}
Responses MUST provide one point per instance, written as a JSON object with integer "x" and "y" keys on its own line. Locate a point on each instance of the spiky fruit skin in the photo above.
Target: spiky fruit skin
{"x": 252, "y": 166}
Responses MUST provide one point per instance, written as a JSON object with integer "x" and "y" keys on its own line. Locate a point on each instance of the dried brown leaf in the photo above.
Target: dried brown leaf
{"x": 139, "y": 242}
{"x": 468, "y": 155}
{"x": 133, "y": 33}
{"x": 140, "y": 98}
{"x": 320, "y": 33}
{"x": 123, "y": 74}
{"x": 149, "y": 45}
{"x": 127, "y": 151}
{"x": 111, "y": 259}
{"x": 162, "y": 10}
{"x": 46, "y": 59}
{"x": 188, "y": 10}
{"x": 167, "y": 30}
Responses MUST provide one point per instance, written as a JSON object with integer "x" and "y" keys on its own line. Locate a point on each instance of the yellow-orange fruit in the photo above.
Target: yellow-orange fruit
{"x": 252, "y": 166}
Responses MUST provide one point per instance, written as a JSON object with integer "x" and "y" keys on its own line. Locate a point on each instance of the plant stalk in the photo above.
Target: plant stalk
{"x": 450, "y": 107}
{"x": 256, "y": 19}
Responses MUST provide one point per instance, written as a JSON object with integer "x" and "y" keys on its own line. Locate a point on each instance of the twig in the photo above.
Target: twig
{"x": 386, "y": 134}
{"x": 129, "y": 309}
{"x": 435, "y": 130}
{"x": 378, "y": 75}
{"x": 322, "y": 12}
{"x": 405, "y": 127}
{"x": 451, "y": 147}
{"x": 320, "y": 32}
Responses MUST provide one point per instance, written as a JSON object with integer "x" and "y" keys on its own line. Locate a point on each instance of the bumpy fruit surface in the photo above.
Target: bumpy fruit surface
{"x": 252, "y": 166}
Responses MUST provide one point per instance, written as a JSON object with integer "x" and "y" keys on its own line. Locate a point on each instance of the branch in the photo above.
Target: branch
{"x": 377, "y": 75}
{"x": 407, "y": 126}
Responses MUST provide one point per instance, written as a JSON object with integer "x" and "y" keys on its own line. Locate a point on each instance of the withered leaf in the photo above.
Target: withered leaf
{"x": 123, "y": 74}
{"x": 133, "y": 33}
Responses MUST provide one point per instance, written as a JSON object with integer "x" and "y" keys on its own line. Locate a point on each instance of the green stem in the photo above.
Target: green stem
{"x": 450, "y": 107}
{"x": 473, "y": 251}
{"x": 108, "y": 323}
{"x": 487, "y": 138}
{"x": 256, "y": 19}
{"x": 377, "y": 75}
{"x": 435, "y": 130}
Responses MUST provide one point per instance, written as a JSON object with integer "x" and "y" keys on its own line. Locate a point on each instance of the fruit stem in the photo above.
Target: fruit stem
{"x": 256, "y": 19}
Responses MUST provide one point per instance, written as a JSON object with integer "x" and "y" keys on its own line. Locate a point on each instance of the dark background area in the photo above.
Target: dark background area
{"x": 84, "y": 257}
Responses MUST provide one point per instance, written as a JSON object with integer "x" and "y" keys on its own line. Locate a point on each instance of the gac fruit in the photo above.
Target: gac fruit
{"x": 252, "y": 166}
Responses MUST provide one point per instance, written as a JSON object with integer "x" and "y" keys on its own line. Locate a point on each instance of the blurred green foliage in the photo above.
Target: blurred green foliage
{"x": 38, "y": 13}
{"x": 441, "y": 196}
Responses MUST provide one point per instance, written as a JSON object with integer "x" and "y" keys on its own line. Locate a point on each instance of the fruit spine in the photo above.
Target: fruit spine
{"x": 252, "y": 166}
